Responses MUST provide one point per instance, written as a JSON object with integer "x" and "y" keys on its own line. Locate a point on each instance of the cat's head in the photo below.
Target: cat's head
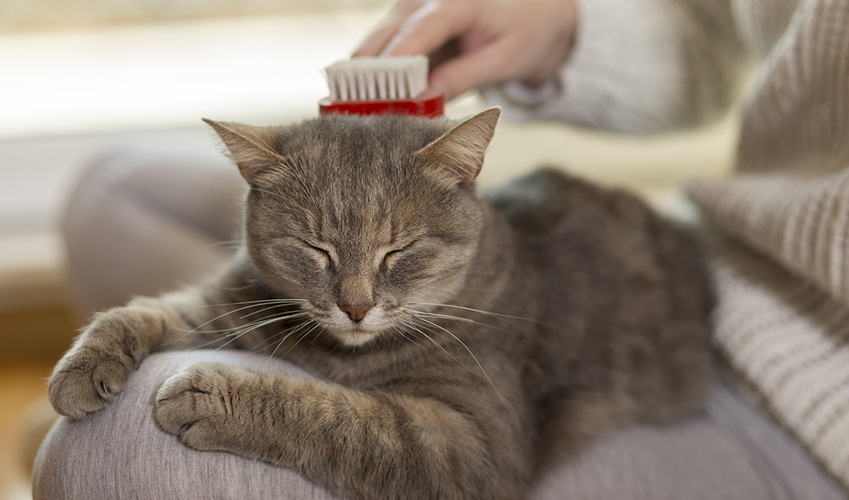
{"x": 363, "y": 217}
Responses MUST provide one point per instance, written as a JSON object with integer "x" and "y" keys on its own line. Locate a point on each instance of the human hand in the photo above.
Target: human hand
{"x": 473, "y": 43}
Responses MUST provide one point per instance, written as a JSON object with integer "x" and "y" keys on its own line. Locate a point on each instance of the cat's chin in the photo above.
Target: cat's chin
{"x": 354, "y": 338}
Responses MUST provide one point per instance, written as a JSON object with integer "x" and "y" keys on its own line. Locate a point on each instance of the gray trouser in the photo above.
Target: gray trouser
{"x": 143, "y": 221}
{"x": 730, "y": 452}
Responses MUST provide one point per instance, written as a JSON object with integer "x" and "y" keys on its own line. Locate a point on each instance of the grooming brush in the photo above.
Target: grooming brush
{"x": 381, "y": 85}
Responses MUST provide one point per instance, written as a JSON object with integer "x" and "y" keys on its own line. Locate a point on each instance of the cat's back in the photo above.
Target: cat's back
{"x": 551, "y": 206}
{"x": 626, "y": 276}
{"x": 548, "y": 203}
{"x": 568, "y": 224}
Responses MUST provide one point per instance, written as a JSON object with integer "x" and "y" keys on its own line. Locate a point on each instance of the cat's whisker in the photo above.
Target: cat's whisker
{"x": 232, "y": 332}
{"x": 470, "y": 354}
{"x": 206, "y": 344}
{"x": 434, "y": 342}
{"x": 284, "y": 339}
{"x": 235, "y": 338}
{"x": 406, "y": 337}
{"x": 293, "y": 315}
{"x": 250, "y": 304}
{"x": 396, "y": 335}
{"x": 416, "y": 312}
{"x": 273, "y": 338}
{"x": 302, "y": 337}
{"x": 271, "y": 356}
{"x": 248, "y": 329}
{"x": 488, "y": 313}
{"x": 300, "y": 328}
{"x": 198, "y": 328}
{"x": 266, "y": 309}
{"x": 255, "y": 303}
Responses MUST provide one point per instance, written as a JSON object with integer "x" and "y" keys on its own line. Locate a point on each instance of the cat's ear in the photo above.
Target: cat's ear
{"x": 457, "y": 156}
{"x": 249, "y": 147}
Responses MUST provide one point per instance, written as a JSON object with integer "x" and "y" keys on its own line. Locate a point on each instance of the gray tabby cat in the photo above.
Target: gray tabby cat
{"x": 445, "y": 327}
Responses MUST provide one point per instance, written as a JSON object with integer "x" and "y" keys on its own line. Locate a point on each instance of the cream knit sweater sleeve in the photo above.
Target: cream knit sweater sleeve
{"x": 639, "y": 66}
{"x": 791, "y": 198}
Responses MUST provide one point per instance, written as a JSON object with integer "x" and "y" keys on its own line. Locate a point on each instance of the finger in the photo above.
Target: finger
{"x": 491, "y": 64}
{"x": 386, "y": 29}
{"x": 450, "y": 50}
{"x": 429, "y": 28}
{"x": 377, "y": 40}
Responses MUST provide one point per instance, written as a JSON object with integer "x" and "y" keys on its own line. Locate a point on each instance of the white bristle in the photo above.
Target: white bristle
{"x": 377, "y": 78}
{"x": 392, "y": 85}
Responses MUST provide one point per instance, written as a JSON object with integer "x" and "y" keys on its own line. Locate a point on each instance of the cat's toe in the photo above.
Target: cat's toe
{"x": 195, "y": 396}
{"x": 84, "y": 382}
{"x": 203, "y": 435}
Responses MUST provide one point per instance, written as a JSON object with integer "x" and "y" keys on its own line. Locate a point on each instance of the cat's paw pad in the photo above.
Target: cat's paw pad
{"x": 87, "y": 379}
{"x": 195, "y": 405}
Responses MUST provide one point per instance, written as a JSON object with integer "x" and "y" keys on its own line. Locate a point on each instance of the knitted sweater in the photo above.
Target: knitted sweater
{"x": 782, "y": 271}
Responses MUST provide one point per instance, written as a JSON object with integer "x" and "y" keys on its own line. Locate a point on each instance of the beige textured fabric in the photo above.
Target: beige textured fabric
{"x": 789, "y": 334}
{"x": 791, "y": 340}
{"x": 799, "y": 219}
{"x": 782, "y": 318}
{"x": 797, "y": 114}
{"x": 761, "y": 23}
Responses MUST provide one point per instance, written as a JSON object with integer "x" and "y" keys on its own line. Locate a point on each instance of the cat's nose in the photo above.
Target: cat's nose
{"x": 356, "y": 313}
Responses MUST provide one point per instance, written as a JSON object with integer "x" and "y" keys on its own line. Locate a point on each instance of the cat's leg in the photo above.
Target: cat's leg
{"x": 357, "y": 444}
{"x": 102, "y": 358}
{"x": 100, "y": 362}
{"x": 119, "y": 453}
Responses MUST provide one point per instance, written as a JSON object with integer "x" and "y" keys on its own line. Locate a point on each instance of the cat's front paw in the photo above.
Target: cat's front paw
{"x": 197, "y": 404}
{"x": 86, "y": 380}
{"x": 88, "y": 377}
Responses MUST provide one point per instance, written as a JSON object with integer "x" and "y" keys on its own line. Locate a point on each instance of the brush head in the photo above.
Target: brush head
{"x": 381, "y": 85}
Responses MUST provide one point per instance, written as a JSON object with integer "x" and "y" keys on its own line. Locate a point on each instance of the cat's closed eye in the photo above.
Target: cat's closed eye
{"x": 391, "y": 256}
{"x": 321, "y": 253}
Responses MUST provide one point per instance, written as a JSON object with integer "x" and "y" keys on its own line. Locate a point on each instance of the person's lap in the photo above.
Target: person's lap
{"x": 730, "y": 452}
{"x": 119, "y": 452}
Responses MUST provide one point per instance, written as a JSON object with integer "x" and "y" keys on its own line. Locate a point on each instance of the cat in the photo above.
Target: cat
{"x": 444, "y": 325}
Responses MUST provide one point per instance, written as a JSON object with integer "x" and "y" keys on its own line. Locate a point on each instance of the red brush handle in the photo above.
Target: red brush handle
{"x": 428, "y": 104}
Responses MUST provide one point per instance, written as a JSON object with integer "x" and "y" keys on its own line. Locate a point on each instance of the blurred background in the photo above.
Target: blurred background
{"x": 80, "y": 77}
